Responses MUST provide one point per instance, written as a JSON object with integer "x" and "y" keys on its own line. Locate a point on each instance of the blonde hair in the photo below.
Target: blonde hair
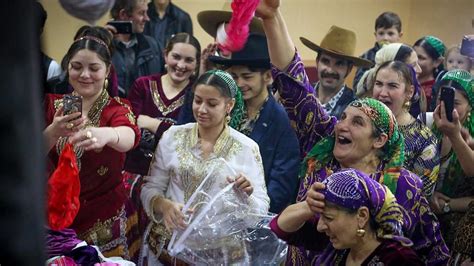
{"x": 456, "y": 48}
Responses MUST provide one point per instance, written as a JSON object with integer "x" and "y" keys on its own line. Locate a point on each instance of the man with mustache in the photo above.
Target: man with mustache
{"x": 334, "y": 63}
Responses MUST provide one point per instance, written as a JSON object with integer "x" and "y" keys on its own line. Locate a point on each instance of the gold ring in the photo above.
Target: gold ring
{"x": 69, "y": 125}
{"x": 88, "y": 134}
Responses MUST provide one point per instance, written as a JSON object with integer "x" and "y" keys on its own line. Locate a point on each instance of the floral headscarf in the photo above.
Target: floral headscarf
{"x": 394, "y": 150}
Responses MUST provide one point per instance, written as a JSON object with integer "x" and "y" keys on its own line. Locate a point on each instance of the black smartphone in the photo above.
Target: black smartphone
{"x": 122, "y": 27}
{"x": 447, "y": 96}
{"x": 72, "y": 104}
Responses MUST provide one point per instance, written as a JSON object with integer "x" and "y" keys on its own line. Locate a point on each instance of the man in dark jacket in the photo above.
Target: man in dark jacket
{"x": 135, "y": 54}
{"x": 166, "y": 19}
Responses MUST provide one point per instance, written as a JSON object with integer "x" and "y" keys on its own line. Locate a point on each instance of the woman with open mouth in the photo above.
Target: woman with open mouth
{"x": 396, "y": 86}
{"x": 366, "y": 138}
{"x": 393, "y": 81}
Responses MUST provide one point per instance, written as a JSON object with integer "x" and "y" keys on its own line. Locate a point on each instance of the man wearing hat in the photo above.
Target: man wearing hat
{"x": 334, "y": 62}
{"x": 265, "y": 121}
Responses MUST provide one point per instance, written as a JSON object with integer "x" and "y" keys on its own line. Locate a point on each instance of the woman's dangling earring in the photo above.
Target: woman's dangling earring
{"x": 106, "y": 83}
{"x": 166, "y": 68}
{"x": 407, "y": 105}
{"x": 360, "y": 232}
{"x": 227, "y": 119}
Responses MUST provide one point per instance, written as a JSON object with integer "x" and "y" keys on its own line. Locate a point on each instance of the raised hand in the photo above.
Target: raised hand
{"x": 66, "y": 125}
{"x": 314, "y": 198}
{"x": 444, "y": 125}
{"x": 205, "y": 64}
{"x": 267, "y": 9}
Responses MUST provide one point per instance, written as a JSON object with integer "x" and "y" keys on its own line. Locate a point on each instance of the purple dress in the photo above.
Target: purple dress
{"x": 312, "y": 123}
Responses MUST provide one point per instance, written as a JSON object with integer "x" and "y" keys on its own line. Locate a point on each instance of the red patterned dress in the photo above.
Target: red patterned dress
{"x": 107, "y": 218}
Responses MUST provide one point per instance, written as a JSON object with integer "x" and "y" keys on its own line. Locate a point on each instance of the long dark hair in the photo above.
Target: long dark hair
{"x": 187, "y": 38}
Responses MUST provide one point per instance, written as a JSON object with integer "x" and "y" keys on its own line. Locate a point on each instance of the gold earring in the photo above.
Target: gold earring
{"x": 360, "y": 232}
{"x": 407, "y": 105}
{"x": 227, "y": 119}
{"x": 106, "y": 83}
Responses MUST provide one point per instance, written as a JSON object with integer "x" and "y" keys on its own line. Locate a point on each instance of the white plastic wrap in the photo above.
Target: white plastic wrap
{"x": 223, "y": 229}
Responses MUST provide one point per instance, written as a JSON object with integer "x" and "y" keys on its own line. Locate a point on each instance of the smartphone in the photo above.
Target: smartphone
{"x": 447, "y": 96}
{"x": 467, "y": 46}
{"x": 72, "y": 104}
{"x": 122, "y": 27}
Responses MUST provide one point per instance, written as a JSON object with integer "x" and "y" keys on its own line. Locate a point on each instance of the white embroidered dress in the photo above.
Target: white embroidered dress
{"x": 178, "y": 167}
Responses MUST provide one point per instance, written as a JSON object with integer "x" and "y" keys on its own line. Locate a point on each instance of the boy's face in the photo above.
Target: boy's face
{"x": 387, "y": 35}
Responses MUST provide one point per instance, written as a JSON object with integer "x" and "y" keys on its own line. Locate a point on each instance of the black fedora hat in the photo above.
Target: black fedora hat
{"x": 254, "y": 54}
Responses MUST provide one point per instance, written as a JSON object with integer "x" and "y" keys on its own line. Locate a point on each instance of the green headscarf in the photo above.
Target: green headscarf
{"x": 463, "y": 80}
{"x": 437, "y": 44}
{"x": 394, "y": 150}
{"x": 239, "y": 106}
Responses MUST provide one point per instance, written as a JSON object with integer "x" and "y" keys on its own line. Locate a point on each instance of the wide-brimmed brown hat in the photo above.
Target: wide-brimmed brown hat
{"x": 210, "y": 20}
{"x": 339, "y": 42}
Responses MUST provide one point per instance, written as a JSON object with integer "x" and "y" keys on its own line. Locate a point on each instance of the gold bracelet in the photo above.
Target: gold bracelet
{"x": 118, "y": 135}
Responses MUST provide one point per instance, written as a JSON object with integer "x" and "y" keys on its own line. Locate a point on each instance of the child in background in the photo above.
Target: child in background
{"x": 388, "y": 29}
{"x": 430, "y": 51}
{"x": 454, "y": 60}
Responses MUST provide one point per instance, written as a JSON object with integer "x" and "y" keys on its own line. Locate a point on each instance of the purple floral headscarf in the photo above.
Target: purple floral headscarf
{"x": 353, "y": 189}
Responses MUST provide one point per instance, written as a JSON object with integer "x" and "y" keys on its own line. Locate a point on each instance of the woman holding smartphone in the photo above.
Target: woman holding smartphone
{"x": 106, "y": 130}
{"x": 455, "y": 189}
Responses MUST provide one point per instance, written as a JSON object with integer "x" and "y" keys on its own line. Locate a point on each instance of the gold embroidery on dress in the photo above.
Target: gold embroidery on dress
{"x": 129, "y": 115}
{"x": 309, "y": 118}
{"x": 101, "y": 235}
{"x": 94, "y": 119}
{"x": 102, "y": 170}
{"x": 58, "y": 103}
{"x": 192, "y": 169}
{"x": 165, "y": 110}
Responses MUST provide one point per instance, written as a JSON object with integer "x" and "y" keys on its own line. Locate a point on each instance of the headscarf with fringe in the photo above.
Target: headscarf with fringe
{"x": 463, "y": 80}
{"x": 393, "y": 151}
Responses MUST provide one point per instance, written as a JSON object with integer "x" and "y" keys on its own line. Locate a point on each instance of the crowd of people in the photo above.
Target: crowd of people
{"x": 378, "y": 174}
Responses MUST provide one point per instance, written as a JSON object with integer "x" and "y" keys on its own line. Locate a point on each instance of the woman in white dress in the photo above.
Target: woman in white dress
{"x": 186, "y": 153}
